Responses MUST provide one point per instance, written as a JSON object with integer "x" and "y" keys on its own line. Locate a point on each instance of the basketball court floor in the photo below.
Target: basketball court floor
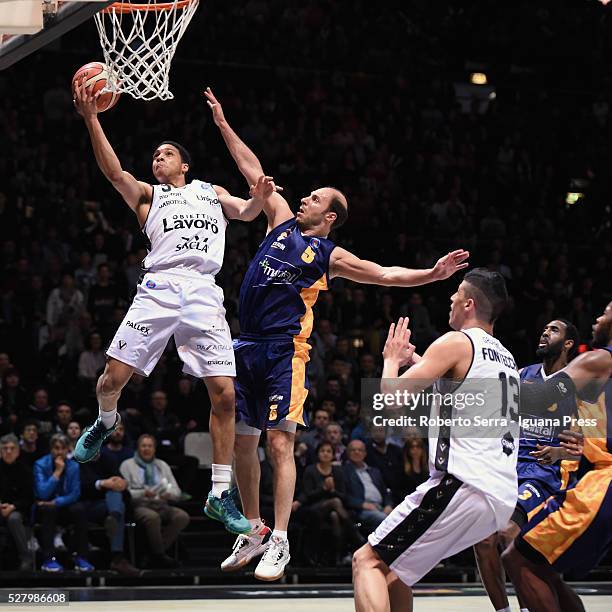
{"x": 311, "y": 598}
{"x": 425, "y": 604}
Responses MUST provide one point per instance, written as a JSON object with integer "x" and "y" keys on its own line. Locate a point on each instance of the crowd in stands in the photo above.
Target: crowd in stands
{"x": 54, "y": 490}
{"x": 424, "y": 172}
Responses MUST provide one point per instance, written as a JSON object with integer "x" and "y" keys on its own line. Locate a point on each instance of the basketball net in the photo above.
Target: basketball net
{"x": 139, "y": 42}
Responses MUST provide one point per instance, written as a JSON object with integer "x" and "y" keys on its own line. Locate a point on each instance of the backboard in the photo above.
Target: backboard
{"x": 58, "y": 17}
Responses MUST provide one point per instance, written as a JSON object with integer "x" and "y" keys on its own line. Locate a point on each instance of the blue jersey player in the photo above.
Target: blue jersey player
{"x": 540, "y": 468}
{"x": 293, "y": 264}
{"x": 572, "y": 531}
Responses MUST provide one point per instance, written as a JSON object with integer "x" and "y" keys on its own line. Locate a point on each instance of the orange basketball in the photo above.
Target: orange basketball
{"x": 97, "y": 75}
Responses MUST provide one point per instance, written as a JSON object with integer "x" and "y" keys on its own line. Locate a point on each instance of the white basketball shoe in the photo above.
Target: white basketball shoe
{"x": 272, "y": 565}
{"x": 246, "y": 547}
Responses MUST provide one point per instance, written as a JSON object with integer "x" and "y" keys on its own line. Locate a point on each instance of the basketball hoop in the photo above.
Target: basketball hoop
{"x": 139, "y": 42}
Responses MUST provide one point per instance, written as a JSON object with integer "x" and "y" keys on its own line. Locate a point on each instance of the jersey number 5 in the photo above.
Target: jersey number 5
{"x": 510, "y": 396}
{"x": 308, "y": 255}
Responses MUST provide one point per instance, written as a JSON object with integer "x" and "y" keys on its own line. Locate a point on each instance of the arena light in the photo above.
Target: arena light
{"x": 478, "y": 78}
{"x": 573, "y": 197}
{"x": 576, "y": 191}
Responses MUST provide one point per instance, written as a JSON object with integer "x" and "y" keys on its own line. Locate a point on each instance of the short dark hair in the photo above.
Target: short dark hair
{"x": 11, "y": 371}
{"x": 488, "y": 290}
{"x": 322, "y": 444}
{"x": 336, "y": 206}
{"x": 571, "y": 333}
{"x": 29, "y": 423}
{"x": 183, "y": 152}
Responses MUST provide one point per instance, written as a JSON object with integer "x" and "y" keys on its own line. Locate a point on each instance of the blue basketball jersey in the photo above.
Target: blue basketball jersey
{"x": 530, "y": 437}
{"x": 282, "y": 284}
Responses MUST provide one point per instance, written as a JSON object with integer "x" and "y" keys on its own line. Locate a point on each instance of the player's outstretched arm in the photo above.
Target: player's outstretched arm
{"x": 587, "y": 372}
{"x": 247, "y": 162}
{"x": 134, "y": 192}
{"x": 247, "y": 210}
{"x": 277, "y": 209}
{"x": 590, "y": 367}
{"x": 345, "y": 264}
{"x": 441, "y": 358}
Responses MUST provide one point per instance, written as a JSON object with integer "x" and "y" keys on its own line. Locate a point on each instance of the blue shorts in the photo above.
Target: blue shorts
{"x": 271, "y": 383}
{"x": 532, "y": 493}
{"x": 536, "y": 483}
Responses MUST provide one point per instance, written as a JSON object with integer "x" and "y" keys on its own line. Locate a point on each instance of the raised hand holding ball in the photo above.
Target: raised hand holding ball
{"x": 88, "y": 82}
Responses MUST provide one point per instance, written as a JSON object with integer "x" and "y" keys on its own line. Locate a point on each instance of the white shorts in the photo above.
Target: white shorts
{"x": 186, "y": 307}
{"x": 441, "y": 518}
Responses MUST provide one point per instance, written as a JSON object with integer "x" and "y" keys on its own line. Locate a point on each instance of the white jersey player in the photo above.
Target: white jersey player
{"x": 178, "y": 295}
{"x": 473, "y": 445}
{"x": 185, "y": 223}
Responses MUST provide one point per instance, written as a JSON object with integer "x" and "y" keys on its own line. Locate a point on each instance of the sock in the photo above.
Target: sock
{"x": 524, "y": 609}
{"x": 108, "y": 417}
{"x": 508, "y": 609}
{"x": 280, "y": 534}
{"x": 256, "y": 524}
{"x": 221, "y": 478}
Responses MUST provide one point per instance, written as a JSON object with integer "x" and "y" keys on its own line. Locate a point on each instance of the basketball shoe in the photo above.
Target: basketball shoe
{"x": 91, "y": 440}
{"x": 224, "y": 509}
{"x": 247, "y": 547}
{"x": 272, "y": 565}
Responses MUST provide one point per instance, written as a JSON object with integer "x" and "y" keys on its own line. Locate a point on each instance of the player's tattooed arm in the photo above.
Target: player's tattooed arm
{"x": 134, "y": 192}
{"x": 247, "y": 210}
{"x": 345, "y": 264}
{"x": 276, "y": 208}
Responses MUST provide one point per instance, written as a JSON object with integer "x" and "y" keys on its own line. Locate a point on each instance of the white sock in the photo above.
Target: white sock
{"x": 524, "y": 609}
{"x": 221, "y": 478}
{"x": 280, "y": 534}
{"x": 256, "y": 524}
{"x": 108, "y": 417}
{"x": 508, "y": 609}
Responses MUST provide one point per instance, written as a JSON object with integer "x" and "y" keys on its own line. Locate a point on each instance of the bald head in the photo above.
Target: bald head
{"x": 324, "y": 210}
{"x": 338, "y": 204}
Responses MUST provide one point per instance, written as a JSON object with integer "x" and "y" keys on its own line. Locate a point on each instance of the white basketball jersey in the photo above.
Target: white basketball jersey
{"x": 480, "y": 447}
{"x": 186, "y": 227}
